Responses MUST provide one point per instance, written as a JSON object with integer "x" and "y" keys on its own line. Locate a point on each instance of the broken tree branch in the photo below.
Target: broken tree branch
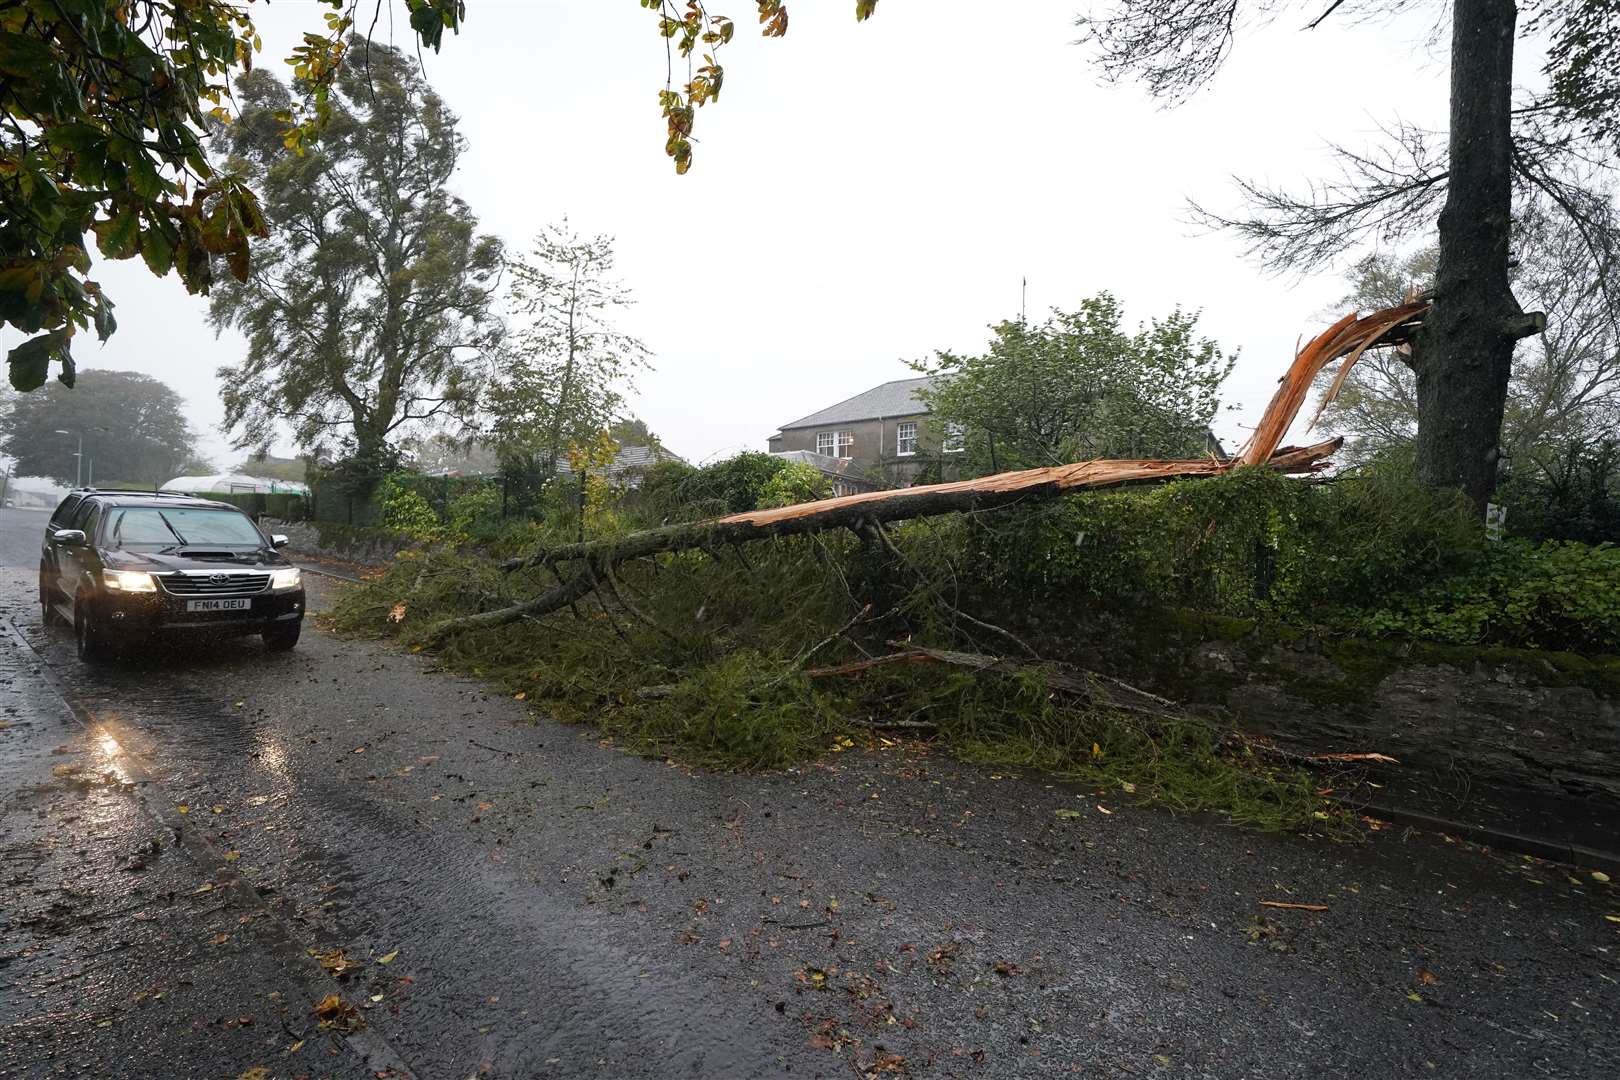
{"x": 849, "y": 511}
{"x": 962, "y": 496}
{"x": 1349, "y": 339}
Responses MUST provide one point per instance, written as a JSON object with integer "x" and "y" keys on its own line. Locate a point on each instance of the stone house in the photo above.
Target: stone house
{"x": 877, "y": 439}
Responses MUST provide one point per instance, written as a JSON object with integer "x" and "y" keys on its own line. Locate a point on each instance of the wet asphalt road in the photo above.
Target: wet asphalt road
{"x": 552, "y": 907}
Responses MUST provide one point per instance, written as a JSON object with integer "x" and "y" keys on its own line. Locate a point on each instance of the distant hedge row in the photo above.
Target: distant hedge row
{"x": 281, "y": 505}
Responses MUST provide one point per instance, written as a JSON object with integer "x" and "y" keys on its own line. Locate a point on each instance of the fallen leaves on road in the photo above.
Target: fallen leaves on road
{"x": 1284, "y": 905}
{"x": 1598, "y": 875}
{"x": 1067, "y": 814}
{"x": 258, "y": 1072}
{"x": 389, "y": 958}
{"x": 219, "y": 939}
{"x": 335, "y": 1014}
{"x": 335, "y": 961}
{"x": 1382, "y": 759}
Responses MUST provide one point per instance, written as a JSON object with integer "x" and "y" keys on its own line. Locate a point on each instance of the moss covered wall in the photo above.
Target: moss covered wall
{"x": 1547, "y": 721}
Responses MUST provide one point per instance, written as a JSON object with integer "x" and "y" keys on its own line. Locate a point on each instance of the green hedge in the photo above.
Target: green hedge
{"x": 1368, "y": 553}
{"x": 281, "y": 505}
{"x": 1249, "y": 543}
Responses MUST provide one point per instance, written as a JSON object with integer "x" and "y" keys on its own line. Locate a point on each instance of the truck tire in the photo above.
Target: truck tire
{"x": 282, "y": 638}
{"x": 95, "y": 646}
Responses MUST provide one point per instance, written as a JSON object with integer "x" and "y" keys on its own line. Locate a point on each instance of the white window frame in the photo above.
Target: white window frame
{"x": 839, "y": 444}
{"x": 955, "y": 441}
{"x": 905, "y": 438}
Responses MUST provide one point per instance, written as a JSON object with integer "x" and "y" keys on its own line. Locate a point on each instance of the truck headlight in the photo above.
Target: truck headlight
{"x": 285, "y": 579}
{"x": 129, "y": 580}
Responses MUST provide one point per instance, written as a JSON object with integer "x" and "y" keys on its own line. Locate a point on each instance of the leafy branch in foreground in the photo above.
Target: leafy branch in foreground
{"x": 101, "y": 111}
{"x": 104, "y": 110}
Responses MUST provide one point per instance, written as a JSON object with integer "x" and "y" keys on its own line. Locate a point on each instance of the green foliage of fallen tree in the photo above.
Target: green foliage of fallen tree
{"x": 721, "y": 658}
{"x": 964, "y": 629}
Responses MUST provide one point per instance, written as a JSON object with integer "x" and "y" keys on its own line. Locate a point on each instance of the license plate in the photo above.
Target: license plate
{"x": 243, "y": 604}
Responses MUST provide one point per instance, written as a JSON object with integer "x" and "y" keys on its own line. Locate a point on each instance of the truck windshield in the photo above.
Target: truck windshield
{"x": 170, "y": 526}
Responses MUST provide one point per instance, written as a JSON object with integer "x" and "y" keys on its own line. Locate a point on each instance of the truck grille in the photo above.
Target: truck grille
{"x": 221, "y": 584}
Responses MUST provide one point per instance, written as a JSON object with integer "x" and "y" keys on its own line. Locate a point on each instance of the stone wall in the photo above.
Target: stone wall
{"x": 325, "y": 540}
{"x": 1537, "y": 721}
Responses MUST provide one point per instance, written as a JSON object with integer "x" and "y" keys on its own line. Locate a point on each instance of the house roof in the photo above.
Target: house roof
{"x": 845, "y": 470}
{"x": 628, "y": 459}
{"x": 897, "y": 398}
{"x": 832, "y": 466}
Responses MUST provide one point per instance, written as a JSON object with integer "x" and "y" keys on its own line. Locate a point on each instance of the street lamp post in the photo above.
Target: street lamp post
{"x": 78, "y": 457}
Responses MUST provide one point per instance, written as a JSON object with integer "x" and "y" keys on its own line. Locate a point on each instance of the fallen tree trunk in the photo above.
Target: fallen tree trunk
{"x": 1349, "y": 338}
{"x": 852, "y": 512}
{"x": 963, "y": 496}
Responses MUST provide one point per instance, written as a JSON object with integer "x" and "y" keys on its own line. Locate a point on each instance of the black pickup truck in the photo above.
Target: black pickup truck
{"x": 120, "y": 566}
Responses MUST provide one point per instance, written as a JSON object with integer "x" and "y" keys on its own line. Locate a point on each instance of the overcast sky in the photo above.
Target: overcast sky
{"x": 862, "y": 194}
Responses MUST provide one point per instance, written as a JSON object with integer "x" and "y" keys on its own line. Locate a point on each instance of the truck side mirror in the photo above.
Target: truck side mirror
{"x": 68, "y": 536}
{"x": 278, "y": 540}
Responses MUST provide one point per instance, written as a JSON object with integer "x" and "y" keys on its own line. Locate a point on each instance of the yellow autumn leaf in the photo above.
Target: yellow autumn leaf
{"x": 388, "y": 959}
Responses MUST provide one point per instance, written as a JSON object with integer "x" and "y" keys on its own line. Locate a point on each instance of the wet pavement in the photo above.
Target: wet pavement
{"x": 513, "y": 898}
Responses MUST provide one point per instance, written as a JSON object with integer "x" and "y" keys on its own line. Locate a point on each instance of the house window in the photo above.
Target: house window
{"x": 955, "y": 439}
{"x": 905, "y": 438}
{"x": 835, "y": 443}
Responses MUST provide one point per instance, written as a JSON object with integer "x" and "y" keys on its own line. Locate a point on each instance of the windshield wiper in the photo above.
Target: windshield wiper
{"x": 167, "y": 524}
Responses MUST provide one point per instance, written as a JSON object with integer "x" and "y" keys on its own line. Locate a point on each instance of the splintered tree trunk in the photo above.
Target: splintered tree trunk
{"x": 1465, "y": 349}
{"x": 594, "y": 562}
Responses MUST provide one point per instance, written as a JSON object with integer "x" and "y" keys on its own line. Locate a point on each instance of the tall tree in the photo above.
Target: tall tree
{"x": 103, "y": 108}
{"x": 131, "y": 426}
{"x": 370, "y": 308}
{"x": 561, "y": 378}
{"x": 1464, "y": 352}
{"x": 1080, "y": 386}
